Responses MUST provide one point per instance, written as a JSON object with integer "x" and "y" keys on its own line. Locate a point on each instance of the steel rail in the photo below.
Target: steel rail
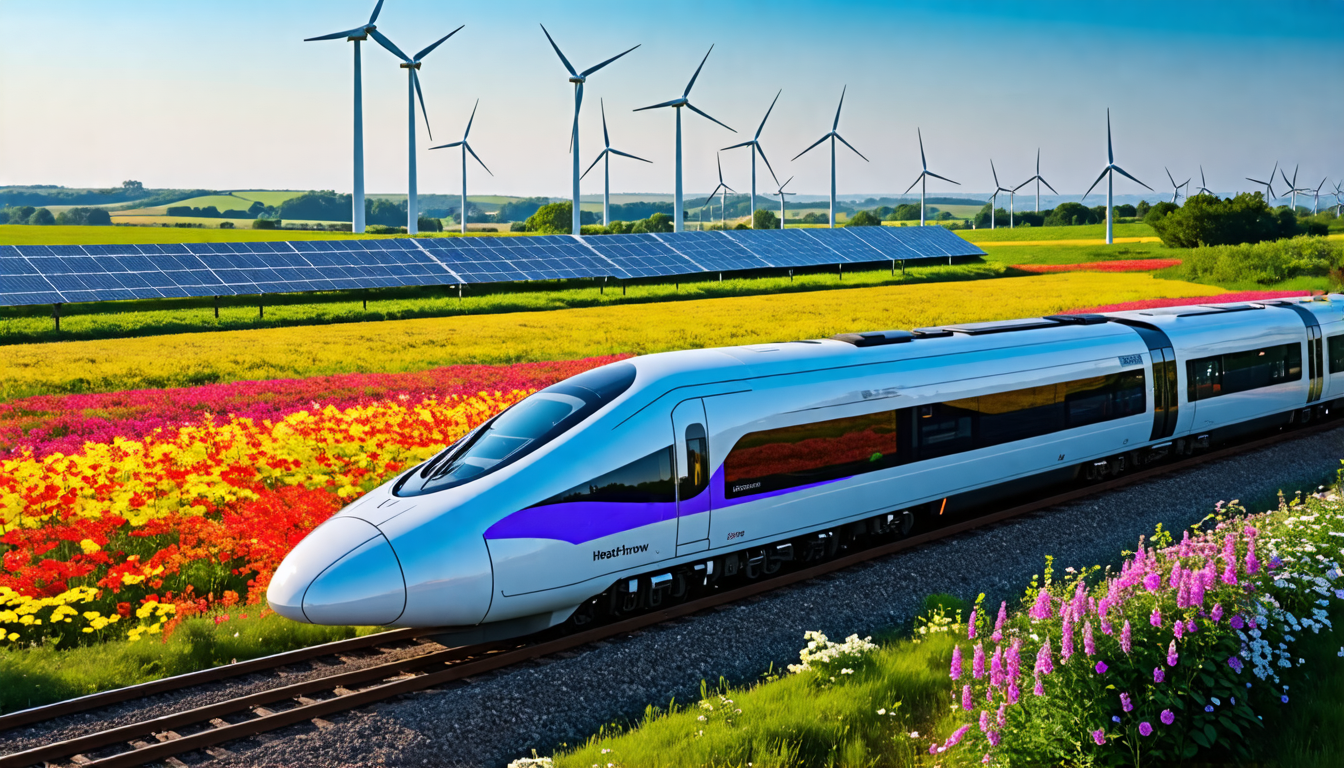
{"x": 473, "y": 661}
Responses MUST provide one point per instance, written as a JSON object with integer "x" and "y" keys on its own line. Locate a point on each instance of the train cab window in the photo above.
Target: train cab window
{"x": 646, "y": 480}
{"x": 1244, "y": 371}
{"x": 695, "y": 477}
{"x": 1336, "y": 352}
{"x": 788, "y": 457}
{"x": 942, "y": 429}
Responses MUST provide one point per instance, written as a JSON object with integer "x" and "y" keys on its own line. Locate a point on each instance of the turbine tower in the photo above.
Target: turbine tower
{"x": 1203, "y": 190}
{"x": 684, "y": 101}
{"x": 1339, "y": 202}
{"x": 833, "y": 135}
{"x": 1175, "y": 188}
{"x": 412, "y": 67}
{"x": 1108, "y": 173}
{"x": 1292, "y": 188}
{"x": 578, "y": 79}
{"x": 723, "y": 207}
{"x": 1039, "y": 179}
{"x": 755, "y": 145}
{"x": 1269, "y": 186}
{"x": 781, "y": 193}
{"x": 357, "y": 36}
{"x": 923, "y": 179}
{"x": 465, "y": 149}
{"x": 606, "y": 154}
{"x": 994, "y": 198}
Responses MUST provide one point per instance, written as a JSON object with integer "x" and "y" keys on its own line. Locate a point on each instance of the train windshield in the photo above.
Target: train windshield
{"x": 519, "y": 430}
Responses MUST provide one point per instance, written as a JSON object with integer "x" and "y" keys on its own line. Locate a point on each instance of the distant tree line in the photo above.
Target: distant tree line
{"x": 257, "y": 210}
{"x": 27, "y": 214}
{"x": 43, "y": 195}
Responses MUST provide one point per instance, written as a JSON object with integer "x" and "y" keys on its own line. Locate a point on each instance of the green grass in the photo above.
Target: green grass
{"x": 794, "y": 721}
{"x": 1076, "y": 254}
{"x": 1083, "y": 232}
{"x": 22, "y": 325}
{"x": 30, "y": 677}
{"x": 1308, "y": 732}
{"x": 238, "y": 200}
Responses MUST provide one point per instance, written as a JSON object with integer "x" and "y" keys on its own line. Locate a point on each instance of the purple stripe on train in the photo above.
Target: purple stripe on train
{"x": 578, "y": 522}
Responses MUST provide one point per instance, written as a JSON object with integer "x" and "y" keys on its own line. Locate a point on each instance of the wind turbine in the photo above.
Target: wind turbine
{"x": 781, "y": 193}
{"x": 1339, "y": 203}
{"x": 755, "y": 145}
{"x": 833, "y": 135}
{"x": 1316, "y": 204}
{"x": 1292, "y": 188}
{"x": 1269, "y": 185}
{"x": 684, "y": 101}
{"x": 578, "y": 79}
{"x": 465, "y": 149}
{"x": 923, "y": 179}
{"x": 1176, "y": 188}
{"x": 994, "y": 198}
{"x": 723, "y": 207}
{"x": 412, "y": 67}
{"x": 606, "y": 154}
{"x": 357, "y": 36}
{"x": 1203, "y": 190}
{"x": 1108, "y": 173}
{"x": 1039, "y": 179}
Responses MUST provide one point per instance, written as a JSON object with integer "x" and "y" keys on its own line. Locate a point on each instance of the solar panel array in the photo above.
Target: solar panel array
{"x": 51, "y": 274}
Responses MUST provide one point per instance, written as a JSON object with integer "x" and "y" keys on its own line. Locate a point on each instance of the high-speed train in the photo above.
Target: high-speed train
{"x": 627, "y": 485}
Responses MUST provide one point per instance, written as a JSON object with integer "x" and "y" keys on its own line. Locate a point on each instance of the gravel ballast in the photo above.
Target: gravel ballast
{"x": 504, "y": 716}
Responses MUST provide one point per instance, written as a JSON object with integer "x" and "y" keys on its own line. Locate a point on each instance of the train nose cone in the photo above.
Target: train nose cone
{"x": 344, "y": 572}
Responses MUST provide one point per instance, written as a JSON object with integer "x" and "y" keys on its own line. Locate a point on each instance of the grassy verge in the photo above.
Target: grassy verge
{"x": 565, "y": 334}
{"x": 30, "y": 677}
{"x": 127, "y": 319}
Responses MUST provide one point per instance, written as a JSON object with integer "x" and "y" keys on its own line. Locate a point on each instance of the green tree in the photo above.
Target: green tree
{"x": 640, "y": 227}
{"x": 764, "y": 218}
{"x": 1126, "y": 210}
{"x": 42, "y": 216}
{"x": 427, "y": 224}
{"x": 266, "y": 224}
{"x": 132, "y": 188}
{"x": 19, "y": 214}
{"x": 1160, "y": 211}
{"x": 1073, "y": 214}
{"x": 1207, "y": 220}
{"x": 659, "y": 222}
{"x": 552, "y": 219}
{"x": 865, "y": 219}
{"x": 1141, "y": 210}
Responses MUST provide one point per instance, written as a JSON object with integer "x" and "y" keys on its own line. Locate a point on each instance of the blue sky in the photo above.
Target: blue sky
{"x": 226, "y": 95}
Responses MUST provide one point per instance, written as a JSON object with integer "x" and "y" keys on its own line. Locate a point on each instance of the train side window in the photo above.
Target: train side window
{"x": 696, "y": 478}
{"x": 1243, "y": 371}
{"x": 1006, "y": 417}
{"x": 1336, "y": 353}
{"x": 645, "y": 480}
{"x": 942, "y": 429}
{"x": 1205, "y": 378}
{"x": 1102, "y": 398}
{"x": 788, "y": 457}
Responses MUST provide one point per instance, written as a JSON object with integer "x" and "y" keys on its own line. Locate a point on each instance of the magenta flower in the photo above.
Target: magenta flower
{"x": 1158, "y": 675}
{"x": 1229, "y": 575}
{"x": 1175, "y": 578}
{"x": 1042, "y": 608}
{"x": 955, "y": 738}
{"x": 984, "y": 720}
{"x": 998, "y": 623}
{"x": 1089, "y": 644}
{"x": 1013, "y": 692}
{"x": 978, "y": 662}
{"x": 1126, "y": 638}
{"x": 1039, "y": 690}
{"x": 1044, "y": 665}
{"x": 1237, "y": 622}
{"x": 970, "y": 626}
{"x": 994, "y": 738}
{"x": 1066, "y": 638}
{"x": 1217, "y": 613}
{"x": 1125, "y": 703}
{"x": 1190, "y": 626}
{"x": 1172, "y": 656}
{"x": 1155, "y": 618}
{"x": 1099, "y": 736}
{"x": 1101, "y": 667}
{"x": 1178, "y": 629}
{"x": 1152, "y": 582}
{"x": 996, "y": 668}
{"x": 1167, "y": 717}
{"x": 956, "y": 662}
{"x": 1252, "y": 563}
{"x": 1000, "y": 718}
{"x": 1185, "y": 544}
{"x": 1145, "y": 728}
{"x": 966, "y": 697}
{"x": 1015, "y": 658}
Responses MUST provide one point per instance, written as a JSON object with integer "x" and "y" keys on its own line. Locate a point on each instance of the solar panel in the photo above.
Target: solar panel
{"x": 779, "y": 247}
{"x": 842, "y": 243}
{"x": 712, "y": 251}
{"x": 640, "y": 256}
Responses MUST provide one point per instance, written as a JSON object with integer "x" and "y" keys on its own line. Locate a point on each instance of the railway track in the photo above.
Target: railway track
{"x": 203, "y": 730}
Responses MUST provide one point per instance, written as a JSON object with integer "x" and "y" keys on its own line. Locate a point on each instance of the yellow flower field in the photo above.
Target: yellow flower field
{"x": 406, "y": 345}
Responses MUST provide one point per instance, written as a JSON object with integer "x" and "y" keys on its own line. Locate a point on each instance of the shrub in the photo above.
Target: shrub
{"x": 593, "y": 229}
{"x": 864, "y": 219}
{"x": 518, "y": 226}
{"x": 42, "y": 216}
{"x": 270, "y": 224}
{"x": 226, "y": 225}
{"x": 619, "y": 227}
{"x": 85, "y": 217}
{"x": 1159, "y": 212}
{"x": 427, "y": 224}
{"x": 552, "y": 219}
{"x": 1263, "y": 263}
{"x": 1208, "y": 220}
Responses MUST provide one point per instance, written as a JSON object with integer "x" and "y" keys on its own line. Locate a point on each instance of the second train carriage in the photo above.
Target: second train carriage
{"x": 636, "y": 478}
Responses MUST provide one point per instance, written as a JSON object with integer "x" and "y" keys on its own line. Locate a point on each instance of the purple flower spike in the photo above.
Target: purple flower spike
{"x": 994, "y": 738}
{"x": 978, "y": 662}
{"x": 1179, "y": 629}
{"x": 1172, "y": 656}
{"x": 1237, "y": 622}
{"x": 1089, "y": 644}
{"x": 998, "y": 623}
{"x": 1167, "y": 717}
{"x": 1000, "y": 718}
{"x": 1190, "y": 626}
{"x": 1252, "y": 563}
{"x": 1158, "y": 675}
{"x": 1044, "y": 665}
{"x": 956, "y": 662}
{"x": 1126, "y": 638}
{"x": 1236, "y": 666}
{"x": 1099, "y": 736}
{"x": 970, "y": 626}
{"x": 1145, "y": 728}
{"x": 966, "y": 703}
{"x": 1042, "y": 608}
{"x": 1216, "y": 615}
{"x": 1152, "y": 582}
{"x": 1155, "y": 618}
{"x": 1125, "y": 703}
{"x": 984, "y": 720}
{"x": 1101, "y": 667}
{"x": 1039, "y": 690}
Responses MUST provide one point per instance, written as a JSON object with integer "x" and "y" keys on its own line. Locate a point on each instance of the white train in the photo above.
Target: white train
{"x": 631, "y": 484}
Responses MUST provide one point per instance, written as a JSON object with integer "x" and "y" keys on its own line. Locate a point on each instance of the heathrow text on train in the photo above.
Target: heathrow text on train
{"x": 607, "y": 554}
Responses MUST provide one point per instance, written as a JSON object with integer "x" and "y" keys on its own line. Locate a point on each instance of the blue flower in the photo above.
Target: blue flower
{"x": 1283, "y": 699}
{"x": 1115, "y": 718}
{"x": 1208, "y": 708}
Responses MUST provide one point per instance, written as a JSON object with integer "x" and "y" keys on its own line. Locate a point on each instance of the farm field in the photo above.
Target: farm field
{"x": 239, "y": 200}
{"x": 1087, "y": 232}
{"x": 206, "y": 222}
{"x": 409, "y": 345}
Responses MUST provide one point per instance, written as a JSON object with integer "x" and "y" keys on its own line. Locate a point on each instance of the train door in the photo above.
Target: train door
{"x": 691, "y": 448}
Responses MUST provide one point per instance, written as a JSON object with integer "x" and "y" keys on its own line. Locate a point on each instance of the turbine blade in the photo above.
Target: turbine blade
{"x": 563, "y": 60}
{"x": 719, "y": 159}
{"x": 415, "y": 79}
{"x": 1125, "y": 173}
{"x": 1285, "y": 178}
{"x": 1047, "y": 185}
{"x": 700, "y": 112}
{"x": 1095, "y": 183}
{"x": 767, "y": 115}
{"x": 851, "y": 147}
{"x": 596, "y": 67}
{"x": 471, "y": 120}
{"x": 388, "y": 44}
{"x": 446, "y": 146}
{"x": 809, "y": 149}
{"x": 1202, "y": 182}
{"x": 1110, "y": 154}
{"x": 1038, "y": 161}
{"x": 1023, "y": 184}
{"x": 656, "y": 106}
{"x": 425, "y": 52}
{"x": 473, "y": 154}
{"x": 606, "y": 137}
{"x": 993, "y": 171}
{"x": 738, "y": 146}
{"x": 923, "y": 163}
{"x": 337, "y": 35}
{"x": 782, "y": 186}
{"x": 1173, "y": 181}
{"x": 944, "y": 178}
{"x": 627, "y": 154}
{"x": 377, "y": 9}
{"x": 600, "y": 155}
{"x": 1295, "y": 167}
{"x": 687, "y": 92}
{"x": 913, "y": 183}
{"x": 757, "y": 148}
{"x": 835, "y": 126}
{"x": 1257, "y": 181}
